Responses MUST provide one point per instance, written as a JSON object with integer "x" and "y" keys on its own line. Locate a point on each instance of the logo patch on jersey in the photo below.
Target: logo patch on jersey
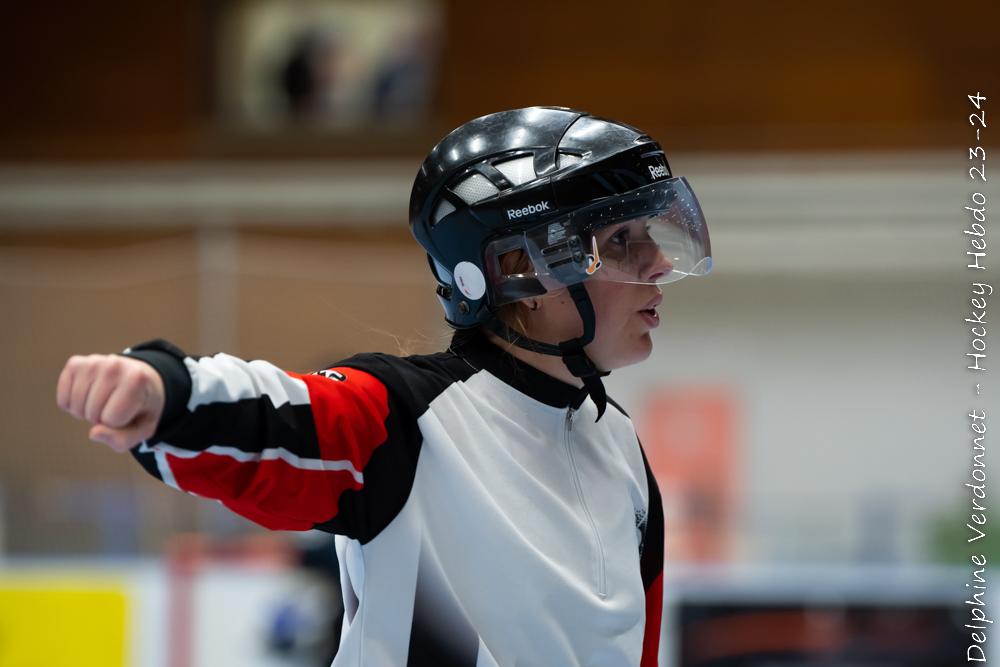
{"x": 640, "y": 527}
{"x": 333, "y": 375}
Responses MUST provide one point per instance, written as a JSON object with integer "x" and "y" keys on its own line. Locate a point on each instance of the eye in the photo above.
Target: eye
{"x": 619, "y": 238}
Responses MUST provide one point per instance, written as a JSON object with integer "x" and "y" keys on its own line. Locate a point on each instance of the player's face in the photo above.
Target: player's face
{"x": 626, "y": 314}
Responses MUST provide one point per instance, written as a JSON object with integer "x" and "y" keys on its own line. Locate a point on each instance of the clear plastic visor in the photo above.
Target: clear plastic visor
{"x": 654, "y": 235}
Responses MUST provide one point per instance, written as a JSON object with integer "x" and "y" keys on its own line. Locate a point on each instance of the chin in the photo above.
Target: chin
{"x": 644, "y": 348}
{"x": 638, "y": 351}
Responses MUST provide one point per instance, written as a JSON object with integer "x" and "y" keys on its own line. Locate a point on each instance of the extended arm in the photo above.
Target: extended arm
{"x": 286, "y": 450}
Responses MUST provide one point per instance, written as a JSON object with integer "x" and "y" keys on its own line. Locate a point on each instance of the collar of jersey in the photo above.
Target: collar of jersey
{"x": 482, "y": 353}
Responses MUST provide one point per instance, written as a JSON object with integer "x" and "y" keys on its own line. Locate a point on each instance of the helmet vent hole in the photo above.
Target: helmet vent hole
{"x": 474, "y": 188}
{"x": 519, "y": 170}
{"x": 443, "y": 208}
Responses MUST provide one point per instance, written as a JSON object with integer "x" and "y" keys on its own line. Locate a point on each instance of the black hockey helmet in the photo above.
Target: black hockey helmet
{"x": 545, "y": 181}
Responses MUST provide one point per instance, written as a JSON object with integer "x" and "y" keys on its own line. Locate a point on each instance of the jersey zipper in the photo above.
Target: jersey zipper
{"x": 601, "y": 575}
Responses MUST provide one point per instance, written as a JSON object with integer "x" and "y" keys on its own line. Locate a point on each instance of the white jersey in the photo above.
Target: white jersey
{"x": 484, "y": 515}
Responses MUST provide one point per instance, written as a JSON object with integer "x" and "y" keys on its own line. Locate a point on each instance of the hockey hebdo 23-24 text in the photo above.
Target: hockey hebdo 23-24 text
{"x": 976, "y": 359}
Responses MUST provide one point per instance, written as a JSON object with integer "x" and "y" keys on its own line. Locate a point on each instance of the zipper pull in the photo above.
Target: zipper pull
{"x": 569, "y": 419}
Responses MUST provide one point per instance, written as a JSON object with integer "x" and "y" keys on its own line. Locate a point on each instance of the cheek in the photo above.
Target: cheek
{"x": 620, "y": 339}
{"x": 611, "y": 300}
{"x": 612, "y": 306}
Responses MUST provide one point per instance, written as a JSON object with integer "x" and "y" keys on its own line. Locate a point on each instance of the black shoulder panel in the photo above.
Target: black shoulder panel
{"x": 411, "y": 384}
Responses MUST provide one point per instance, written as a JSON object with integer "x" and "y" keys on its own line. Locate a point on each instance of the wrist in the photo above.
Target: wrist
{"x": 168, "y": 362}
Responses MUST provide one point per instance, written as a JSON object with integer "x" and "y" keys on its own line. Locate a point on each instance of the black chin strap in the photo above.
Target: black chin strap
{"x": 571, "y": 351}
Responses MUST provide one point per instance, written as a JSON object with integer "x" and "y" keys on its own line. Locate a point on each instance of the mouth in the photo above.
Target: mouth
{"x": 652, "y": 304}
{"x": 649, "y": 311}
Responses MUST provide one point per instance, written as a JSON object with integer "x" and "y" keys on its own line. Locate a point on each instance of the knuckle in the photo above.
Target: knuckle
{"x": 135, "y": 379}
{"x": 84, "y": 366}
{"x": 112, "y": 367}
{"x": 94, "y": 409}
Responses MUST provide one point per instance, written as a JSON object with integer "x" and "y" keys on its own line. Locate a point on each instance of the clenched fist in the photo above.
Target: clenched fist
{"x": 123, "y": 398}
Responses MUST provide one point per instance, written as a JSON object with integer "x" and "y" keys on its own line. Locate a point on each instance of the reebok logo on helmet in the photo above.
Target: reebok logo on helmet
{"x": 513, "y": 213}
{"x": 659, "y": 171}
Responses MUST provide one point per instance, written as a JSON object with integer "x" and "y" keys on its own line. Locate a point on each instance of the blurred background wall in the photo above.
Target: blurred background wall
{"x": 234, "y": 175}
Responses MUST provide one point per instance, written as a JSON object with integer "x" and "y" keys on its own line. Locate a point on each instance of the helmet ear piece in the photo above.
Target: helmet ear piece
{"x": 441, "y": 274}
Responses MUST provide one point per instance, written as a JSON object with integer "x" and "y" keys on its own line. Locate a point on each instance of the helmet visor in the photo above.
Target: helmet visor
{"x": 653, "y": 235}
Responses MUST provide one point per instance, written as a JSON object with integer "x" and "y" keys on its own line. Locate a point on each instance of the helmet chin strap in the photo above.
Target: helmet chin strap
{"x": 571, "y": 351}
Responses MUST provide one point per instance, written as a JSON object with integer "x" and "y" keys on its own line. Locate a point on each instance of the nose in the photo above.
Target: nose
{"x": 659, "y": 267}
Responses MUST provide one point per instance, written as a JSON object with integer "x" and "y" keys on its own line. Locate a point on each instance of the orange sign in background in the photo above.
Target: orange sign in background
{"x": 689, "y": 435}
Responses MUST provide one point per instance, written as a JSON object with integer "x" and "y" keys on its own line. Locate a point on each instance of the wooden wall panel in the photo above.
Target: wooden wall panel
{"x": 110, "y": 80}
{"x": 300, "y": 300}
{"x": 65, "y": 297}
{"x": 99, "y": 79}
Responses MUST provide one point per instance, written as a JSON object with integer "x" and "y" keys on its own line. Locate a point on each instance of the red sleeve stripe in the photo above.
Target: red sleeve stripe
{"x": 349, "y": 414}
{"x": 271, "y": 493}
{"x": 654, "y": 615}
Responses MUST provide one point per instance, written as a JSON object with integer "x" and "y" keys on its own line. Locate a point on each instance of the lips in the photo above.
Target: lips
{"x": 649, "y": 312}
{"x": 653, "y": 303}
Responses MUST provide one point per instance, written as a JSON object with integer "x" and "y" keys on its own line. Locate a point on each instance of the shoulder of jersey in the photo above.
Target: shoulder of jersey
{"x": 414, "y": 379}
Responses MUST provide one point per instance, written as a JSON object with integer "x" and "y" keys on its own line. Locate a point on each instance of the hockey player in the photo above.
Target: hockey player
{"x": 492, "y": 505}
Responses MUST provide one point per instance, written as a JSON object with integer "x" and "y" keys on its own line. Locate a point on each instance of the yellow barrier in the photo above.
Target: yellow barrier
{"x": 49, "y": 620}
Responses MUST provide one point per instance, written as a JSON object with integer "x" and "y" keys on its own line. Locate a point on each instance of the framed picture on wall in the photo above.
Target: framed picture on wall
{"x": 324, "y": 67}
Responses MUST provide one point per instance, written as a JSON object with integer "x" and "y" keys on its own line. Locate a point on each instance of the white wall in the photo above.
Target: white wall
{"x": 854, "y": 394}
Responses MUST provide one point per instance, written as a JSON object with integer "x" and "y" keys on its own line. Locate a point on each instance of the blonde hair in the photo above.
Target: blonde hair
{"x": 515, "y": 315}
